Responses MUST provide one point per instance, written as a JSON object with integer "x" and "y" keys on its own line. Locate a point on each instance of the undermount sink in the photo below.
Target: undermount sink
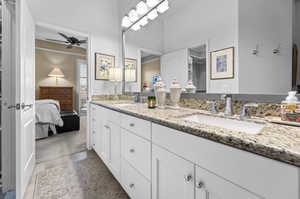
{"x": 230, "y": 124}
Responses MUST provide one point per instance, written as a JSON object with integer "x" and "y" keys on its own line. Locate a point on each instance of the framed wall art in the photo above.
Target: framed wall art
{"x": 222, "y": 64}
{"x": 103, "y": 63}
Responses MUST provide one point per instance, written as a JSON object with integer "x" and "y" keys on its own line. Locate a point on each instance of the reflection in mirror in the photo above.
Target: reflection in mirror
{"x": 198, "y": 56}
{"x": 236, "y": 46}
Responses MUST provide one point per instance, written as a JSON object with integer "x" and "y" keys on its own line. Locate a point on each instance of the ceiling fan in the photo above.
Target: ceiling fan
{"x": 70, "y": 41}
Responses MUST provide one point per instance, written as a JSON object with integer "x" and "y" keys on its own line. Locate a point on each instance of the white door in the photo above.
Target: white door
{"x": 25, "y": 95}
{"x": 172, "y": 176}
{"x": 210, "y": 186}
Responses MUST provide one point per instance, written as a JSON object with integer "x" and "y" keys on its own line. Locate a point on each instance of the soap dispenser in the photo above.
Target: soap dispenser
{"x": 175, "y": 94}
{"x": 290, "y": 108}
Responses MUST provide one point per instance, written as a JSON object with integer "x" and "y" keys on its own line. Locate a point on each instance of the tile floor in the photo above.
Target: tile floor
{"x": 62, "y": 172}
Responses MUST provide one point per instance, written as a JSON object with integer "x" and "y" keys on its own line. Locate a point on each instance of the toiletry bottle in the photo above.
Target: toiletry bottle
{"x": 290, "y": 108}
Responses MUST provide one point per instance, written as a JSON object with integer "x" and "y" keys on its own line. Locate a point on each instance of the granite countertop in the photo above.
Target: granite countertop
{"x": 278, "y": 142}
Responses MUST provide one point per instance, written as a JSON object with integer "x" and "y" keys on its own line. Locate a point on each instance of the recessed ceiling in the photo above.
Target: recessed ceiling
{"x": 43, "y": 33}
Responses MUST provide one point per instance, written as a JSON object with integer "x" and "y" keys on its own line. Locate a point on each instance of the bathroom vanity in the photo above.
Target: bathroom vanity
{"x": 160, "y": 154}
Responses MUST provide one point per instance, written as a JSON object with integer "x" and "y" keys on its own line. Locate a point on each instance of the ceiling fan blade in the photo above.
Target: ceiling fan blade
{"x": 55, "y": 40}
{"x": 83, "y": 41}
{"x": 64, "y": 36}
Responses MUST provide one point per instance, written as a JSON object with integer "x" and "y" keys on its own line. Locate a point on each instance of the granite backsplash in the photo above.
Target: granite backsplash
{"x": 263, "y": 109}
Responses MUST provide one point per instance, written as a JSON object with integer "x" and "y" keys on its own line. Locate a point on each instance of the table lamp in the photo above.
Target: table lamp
{"x": 57, "y": 73}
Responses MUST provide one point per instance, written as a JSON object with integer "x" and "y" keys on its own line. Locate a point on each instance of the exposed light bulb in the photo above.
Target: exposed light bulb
{"x": 141, "y": 8}
{"x": 152, "y": 3}
{"x": 136, "y": 27}
{"x": 133, "y": 15}
{"x": 163, "y": 7}
{"x": 126, "y": 22}
{"x": 143, "y": 21}
{"x": 152, "y": 15}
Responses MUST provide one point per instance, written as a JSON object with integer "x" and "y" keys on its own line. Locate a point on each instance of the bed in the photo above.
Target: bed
{"x": 47, "y": 117}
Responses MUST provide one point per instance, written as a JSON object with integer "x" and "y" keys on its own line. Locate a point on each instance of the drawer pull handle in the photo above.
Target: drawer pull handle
{"x": 200, "y": 185}
{"x": 188, "y": 178}
{"x": 106, "y": 126}
{"x": 131, "y": 124}
{"x": 131, "y": 150}
{"x": 94, "y": 132}
{"x": 93, "y": 120}
{"x": 131, "y": 185}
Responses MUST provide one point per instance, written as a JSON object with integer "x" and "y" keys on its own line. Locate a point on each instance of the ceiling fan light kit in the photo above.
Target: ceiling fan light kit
{"x": 143, "y": 11}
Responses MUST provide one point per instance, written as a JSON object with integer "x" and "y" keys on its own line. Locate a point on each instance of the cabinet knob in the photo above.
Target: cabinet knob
{"x": 93, "y": 120}
{"x": 200, "y": 185}
{"x": 131, "y": 124}
{"x": 188, "y": 178}
{"x": 94, "y": 132}
{"x": 131, "y": 150}
{"x": 106, "y": 126}
{"x": 131, "y": 185}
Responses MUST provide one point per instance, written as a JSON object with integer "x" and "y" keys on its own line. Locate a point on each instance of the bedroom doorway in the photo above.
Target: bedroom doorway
{"x": 61, "y": 91}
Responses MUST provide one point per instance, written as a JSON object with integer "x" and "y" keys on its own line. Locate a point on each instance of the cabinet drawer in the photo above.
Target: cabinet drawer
{"x": 138, "y": 126}
{"x": 137, "y": 151}
{"x": 136, "y": 186}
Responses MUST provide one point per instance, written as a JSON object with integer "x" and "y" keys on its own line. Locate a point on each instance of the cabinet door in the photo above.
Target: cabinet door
{"x": 115, "y": 148}
{"x": 210, "y": 186}
{"x": 172, "y": 176}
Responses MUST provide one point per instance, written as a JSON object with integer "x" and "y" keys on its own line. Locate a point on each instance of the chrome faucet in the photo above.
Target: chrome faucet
{"x": 245, "y": 112}
{"x": 213, "y": 107}
{"x": 228, "y": 104}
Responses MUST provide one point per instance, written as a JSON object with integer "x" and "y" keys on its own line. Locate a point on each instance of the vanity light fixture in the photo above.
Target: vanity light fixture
{"x": 126, "y": 22}
{"x": 136, "y": 27}
{"x": 152, "y": 15}
{"x": 152, "y": 3}
{"x": 144, "y": 21}
{"x": 163, "y": 7}
{"x": 133, "y": 15}
{"x": 144, "y": 10}
{"x": 141, "y": 8}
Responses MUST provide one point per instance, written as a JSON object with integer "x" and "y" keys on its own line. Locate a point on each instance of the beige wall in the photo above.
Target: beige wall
{"x": 48, "y": 57}
{"x": 149, "y": 69}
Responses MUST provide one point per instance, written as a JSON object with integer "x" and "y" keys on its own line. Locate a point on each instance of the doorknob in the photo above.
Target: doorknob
{"x": 23, "y": 105}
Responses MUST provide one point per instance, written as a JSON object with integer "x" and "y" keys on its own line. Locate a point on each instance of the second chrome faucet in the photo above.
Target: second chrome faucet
{"x": 229, "y": 107}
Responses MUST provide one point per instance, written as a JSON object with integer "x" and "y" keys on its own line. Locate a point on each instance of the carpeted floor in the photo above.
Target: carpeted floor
{"x": 65, "y": 170}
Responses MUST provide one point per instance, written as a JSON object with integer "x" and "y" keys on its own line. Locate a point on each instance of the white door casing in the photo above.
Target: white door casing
{"x": 8, "y": 97}
{"x": 25, "y": 95}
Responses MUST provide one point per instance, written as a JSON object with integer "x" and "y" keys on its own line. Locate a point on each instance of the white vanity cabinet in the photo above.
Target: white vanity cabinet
{"x": 172, "y": 176}
{"x": 152, "y": 161}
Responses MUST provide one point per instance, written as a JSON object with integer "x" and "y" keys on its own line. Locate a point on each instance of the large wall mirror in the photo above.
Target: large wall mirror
{"x": 235, "y": 46}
